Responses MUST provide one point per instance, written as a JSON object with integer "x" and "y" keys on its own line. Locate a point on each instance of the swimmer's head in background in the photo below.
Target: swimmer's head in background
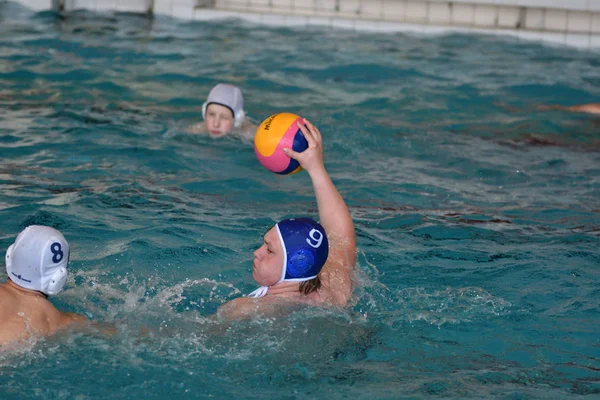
{"x": 305, "y": 250}
{"x": 229, "y": 96}
{"x": 38, "y": 259}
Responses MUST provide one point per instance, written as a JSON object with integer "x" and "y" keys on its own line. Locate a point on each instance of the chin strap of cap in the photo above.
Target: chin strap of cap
{"x": 260, "y": 292}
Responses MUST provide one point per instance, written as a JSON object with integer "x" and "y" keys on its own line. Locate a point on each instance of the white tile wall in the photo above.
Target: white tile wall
{"x": 232, "y": 4}
{"x": 325, "y": 5}
{"x": 304, "y": 4}
{"x": 486, "y": 15}
{"x": 440, "y": 13}
{"x": 106, "y": 5}
{"x": 283, "y": 4}
{"x": 394, "y": 9}
{"x": 185, "y": 3}
{"x": 183, "y": 12}
{"x": 565, "y": 21}
{"x": 260, "y": 4}
{"x": 416, "y": 11}
{"x": 164, "y": 7}
{"x": 139, "y": 6}
{"x": 508, "y": 17}
{"x": 555, "y": 20}
{"x": 581, "y": 5}
{"x": 463, "y": 14}
{"x": 579, "y": 21}
{"x": 489, "y": 2}
{"x": 595, "y": 28}
{"x": 350, "y": 7}
{"x": 594, "y": 5}
{"x": 558, "y": 4}
{"x": 80, "y": 5}
{"x": 372, "y": 8}
{"x": 534, "y": 18}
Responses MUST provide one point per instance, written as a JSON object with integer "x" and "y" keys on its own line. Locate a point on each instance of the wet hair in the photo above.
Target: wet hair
{"x": 307, "y": 287}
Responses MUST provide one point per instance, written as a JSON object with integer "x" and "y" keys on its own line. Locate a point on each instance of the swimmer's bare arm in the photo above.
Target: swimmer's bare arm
{"x": 67, "y": 319}
{"x": 79, "y": 322}
{"x": 591, "y": 108}
{"x": 246, "y": 308}
{"x": 333, "y": 214}
{"x": 586, "y": 108}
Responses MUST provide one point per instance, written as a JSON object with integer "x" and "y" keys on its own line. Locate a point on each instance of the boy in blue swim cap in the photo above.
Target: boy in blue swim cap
{"x": 300, "y": 259}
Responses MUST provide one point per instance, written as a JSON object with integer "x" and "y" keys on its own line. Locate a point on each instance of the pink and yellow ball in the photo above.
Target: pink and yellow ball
{"x": 272, "y": 136}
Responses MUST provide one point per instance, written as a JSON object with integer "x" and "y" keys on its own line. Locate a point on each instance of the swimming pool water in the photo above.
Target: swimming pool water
{"x": 477, "y": 214}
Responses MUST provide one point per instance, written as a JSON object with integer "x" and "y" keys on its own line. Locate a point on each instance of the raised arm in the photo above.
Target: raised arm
{"x": 333, "y": 214}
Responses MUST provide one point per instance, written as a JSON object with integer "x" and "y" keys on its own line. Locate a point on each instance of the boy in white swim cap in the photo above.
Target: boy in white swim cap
{"x": 223, "y": 113}
{"x": 301, "y": 260}
{"x": 36, "y": 265}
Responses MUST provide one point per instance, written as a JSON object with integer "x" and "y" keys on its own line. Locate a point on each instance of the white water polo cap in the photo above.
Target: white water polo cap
{"x": 305, "y": 248}
{"x": 38, "y": 259}
{"x": 229, "y": 96}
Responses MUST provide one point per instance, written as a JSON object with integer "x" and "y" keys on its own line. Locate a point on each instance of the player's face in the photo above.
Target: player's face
{"x": 268, "y": 260}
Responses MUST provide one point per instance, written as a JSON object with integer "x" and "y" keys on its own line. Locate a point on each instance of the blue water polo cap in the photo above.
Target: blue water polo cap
{"x": 305, "y": 248}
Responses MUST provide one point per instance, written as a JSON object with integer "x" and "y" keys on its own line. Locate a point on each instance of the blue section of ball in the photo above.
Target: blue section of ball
{"x": 299, "y": 145}
{"x": 291, "y": 167}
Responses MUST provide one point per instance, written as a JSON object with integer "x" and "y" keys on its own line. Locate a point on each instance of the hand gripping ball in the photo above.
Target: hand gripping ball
{"x": 272, "y": 136}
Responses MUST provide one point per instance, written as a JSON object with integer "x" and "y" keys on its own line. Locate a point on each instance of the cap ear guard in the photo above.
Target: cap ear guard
{"x": 300, "y": 263}
{"x": 54, "y": 273}
{"x": 239, "y": 118}
{"x": 56, "y": 282}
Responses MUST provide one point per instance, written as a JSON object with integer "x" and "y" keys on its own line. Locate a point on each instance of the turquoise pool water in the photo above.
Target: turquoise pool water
{"x": 477, "y": 214}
